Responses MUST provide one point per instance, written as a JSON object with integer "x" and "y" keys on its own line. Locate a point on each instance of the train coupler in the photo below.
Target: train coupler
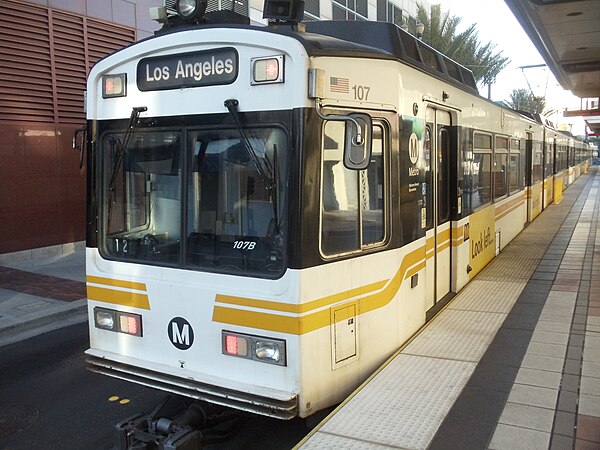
{"x": 156, "y": 431}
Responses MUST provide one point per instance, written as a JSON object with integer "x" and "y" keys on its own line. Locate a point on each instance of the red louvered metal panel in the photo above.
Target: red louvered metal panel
{"x": 25, "y": 57}
{"x": 103, "y": 41}
{"x": 69, "y": 63}
{"x": 45, "y": 56}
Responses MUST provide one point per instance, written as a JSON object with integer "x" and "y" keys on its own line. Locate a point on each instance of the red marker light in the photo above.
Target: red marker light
{"x": 272, "y": 69}
{"x": 231, "y": 345}
{"x": 132, "y": 325}
{"x": 109, "y": 86}
{"x": 267, "y": 70}
{"x": 235, "y": 345}
{"x": 114, "y": 85}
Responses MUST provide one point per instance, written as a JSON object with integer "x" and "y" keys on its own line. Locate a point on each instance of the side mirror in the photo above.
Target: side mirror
{"x": 358, "y": 141}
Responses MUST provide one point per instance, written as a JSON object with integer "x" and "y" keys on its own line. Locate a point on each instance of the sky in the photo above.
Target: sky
{"x": 497, "y": 24}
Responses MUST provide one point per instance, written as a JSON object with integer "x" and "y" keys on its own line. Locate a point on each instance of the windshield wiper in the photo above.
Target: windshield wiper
{"x": 268, "y": 176}
{"x": 133, "y": 119}
{"x": 232, "y": 105}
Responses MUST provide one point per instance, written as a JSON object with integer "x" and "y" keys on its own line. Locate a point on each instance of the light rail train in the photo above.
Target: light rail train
{"x": 273, "y": 211}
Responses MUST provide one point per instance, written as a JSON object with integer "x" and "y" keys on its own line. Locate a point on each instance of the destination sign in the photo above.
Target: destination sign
{"x": 196, "y": 69}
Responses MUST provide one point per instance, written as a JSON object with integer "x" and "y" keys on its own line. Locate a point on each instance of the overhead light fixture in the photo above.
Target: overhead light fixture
{"x": 578, "y": 67}
{"x": 420, "y": 29}
{"x": 191, "y": 10}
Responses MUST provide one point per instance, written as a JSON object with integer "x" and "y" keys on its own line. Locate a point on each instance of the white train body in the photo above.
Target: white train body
{"x": 181, "y": 297}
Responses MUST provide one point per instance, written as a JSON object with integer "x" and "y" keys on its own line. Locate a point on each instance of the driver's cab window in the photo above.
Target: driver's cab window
{"x": 142, "y": 196}
{"x": 352, "y": 201}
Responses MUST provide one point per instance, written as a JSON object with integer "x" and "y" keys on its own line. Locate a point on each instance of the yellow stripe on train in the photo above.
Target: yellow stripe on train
{"x": 117, "y": 296}
{"x": 371, "y": 297}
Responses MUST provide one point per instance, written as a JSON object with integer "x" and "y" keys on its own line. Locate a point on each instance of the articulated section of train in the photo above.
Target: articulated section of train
{"x": 273, "y": 211}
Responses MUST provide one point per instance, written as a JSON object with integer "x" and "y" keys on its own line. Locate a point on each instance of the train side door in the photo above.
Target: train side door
{"x": 439, "y": 239}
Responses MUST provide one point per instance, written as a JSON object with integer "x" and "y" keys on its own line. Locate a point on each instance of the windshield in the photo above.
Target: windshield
{"x": 196, "y": 198}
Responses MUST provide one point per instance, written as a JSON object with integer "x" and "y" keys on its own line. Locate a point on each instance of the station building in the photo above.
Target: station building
{"x": 47, "y": 48}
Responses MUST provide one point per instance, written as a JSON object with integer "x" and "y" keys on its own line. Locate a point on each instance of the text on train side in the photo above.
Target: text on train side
{"x": 484, "y": 241}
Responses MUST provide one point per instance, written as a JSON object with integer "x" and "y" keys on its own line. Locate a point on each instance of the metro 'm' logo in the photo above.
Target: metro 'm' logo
{"x": 180, "y": 333}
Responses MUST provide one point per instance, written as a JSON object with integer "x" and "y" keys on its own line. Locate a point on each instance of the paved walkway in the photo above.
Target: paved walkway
{"x": 40, "y": 292}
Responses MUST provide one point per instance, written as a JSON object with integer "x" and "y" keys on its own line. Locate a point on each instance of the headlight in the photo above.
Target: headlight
{"x": 258, "y": 348}
{"x": 267, "y": 351}
{"x": 104, "y": 318}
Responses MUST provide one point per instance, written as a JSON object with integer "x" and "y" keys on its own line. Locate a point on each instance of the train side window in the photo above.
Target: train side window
{"x": 352, "y": 201}
{"x": 538, "y": 162}
{"x": 481, "y": 170}
{"x": 516, "y": 181}
{"x": 443, "y": 175}
{"x": 500, "y": 167}
{"x": 410, "y": 46}
{"x": 429, "y": 57}
{"x": 563, "y": 158}
{"x": 571, "y": 156}
{"x": 372, "y": 188}
{"x": 549, "y": 158}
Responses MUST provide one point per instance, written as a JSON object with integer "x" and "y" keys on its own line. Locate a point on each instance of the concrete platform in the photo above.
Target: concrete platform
{"x": 512, "y": 362}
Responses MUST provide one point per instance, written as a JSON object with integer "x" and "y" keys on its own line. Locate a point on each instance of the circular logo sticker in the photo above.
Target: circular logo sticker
{"x": 413, "y": 148}
{"x": 180, "y": 333}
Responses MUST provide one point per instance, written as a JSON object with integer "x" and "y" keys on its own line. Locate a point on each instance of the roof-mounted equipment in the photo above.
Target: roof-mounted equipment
{"x": 186, "y": 13}
{"x": 284, "y": 12}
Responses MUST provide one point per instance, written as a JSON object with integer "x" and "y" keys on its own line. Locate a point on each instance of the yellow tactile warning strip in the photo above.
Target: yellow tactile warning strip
{"x": 117, "y": 292}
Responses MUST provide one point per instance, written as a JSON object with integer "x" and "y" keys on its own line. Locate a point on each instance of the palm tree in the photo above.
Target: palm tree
{"x": 441, "y": 33}
{"x": 524, "y": 100}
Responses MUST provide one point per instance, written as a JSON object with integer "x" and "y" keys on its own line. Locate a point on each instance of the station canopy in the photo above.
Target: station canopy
{"x": 567, "y": 35}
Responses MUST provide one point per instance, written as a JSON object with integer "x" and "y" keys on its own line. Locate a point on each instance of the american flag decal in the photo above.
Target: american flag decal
{"x": 337, "y": 84}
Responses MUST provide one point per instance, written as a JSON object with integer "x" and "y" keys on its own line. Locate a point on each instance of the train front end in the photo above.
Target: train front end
{"x": 189, "y": 161}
